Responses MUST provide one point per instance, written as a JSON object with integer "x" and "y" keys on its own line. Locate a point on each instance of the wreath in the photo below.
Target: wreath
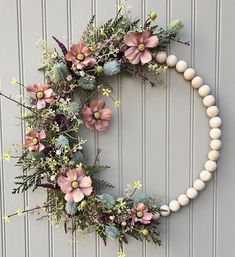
{"x": 53, "y": 154}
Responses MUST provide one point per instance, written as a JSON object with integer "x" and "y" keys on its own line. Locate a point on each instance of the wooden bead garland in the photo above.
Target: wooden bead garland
{"x": 215, "y": 123}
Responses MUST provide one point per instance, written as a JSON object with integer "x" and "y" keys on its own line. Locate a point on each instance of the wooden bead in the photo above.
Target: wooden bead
{"x": 205, "y": 175}
{"x": 197, "y": 82}
{"x": 210, "y": 165}
{"x": 165, "y": 210}
{"x": 204, "y": 90}
{"x": 183, "y": 200}
{"x": 192, "y": 193}
{"x": 212, "y": 111}
{"x": 215, "y": 144}
{"x": 215, "y": 122}
{"x": 209, "y": 100}
{"x": 215, "y": 133}
{"x": 181, "y": 66}
{"x": 161, "y": 57}
{"x": 171, "y": 60}
{"x": 213, "y": 155}
{"x": 199, "y": 185}
{"x": 189, "y": 74}
{"x": 174, "y": 205}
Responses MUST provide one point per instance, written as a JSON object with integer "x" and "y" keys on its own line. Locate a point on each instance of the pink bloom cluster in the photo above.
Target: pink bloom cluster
{"x": 33, "y": 140}
{"x": 75, "y": 185}
{"x": 80, "y": 56}
{"x": 42, "y": 93}
{"x": 97, "y": 115}
{"x": 141, "y": 214}
{"x": 138, "y": 43}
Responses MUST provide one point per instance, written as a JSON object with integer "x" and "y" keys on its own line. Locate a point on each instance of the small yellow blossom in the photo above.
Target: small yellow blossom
{"x": 122, "y": 205}
{"x": 28, "y": 129}
{"x": 19, "y": 212}
{"x": 6, "y": 219}
{"x": 121, "y": 254}
{"x": 25, "y": 115}
{"x": 53, "y": 140}
{"x": 120, "y": 7}
{"x": 14, "y": 81}
{"x": 153, "y": 16}
{"x": 117, "y": 103}
{"x": 106, "y": 91}
{"x": 7, "y": 156}
{"x": 44, "y": 209}
{"x": 137, "y": 185}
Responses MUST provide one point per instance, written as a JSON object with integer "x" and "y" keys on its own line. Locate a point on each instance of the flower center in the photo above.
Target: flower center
{"x": 139, "y": 214}
{"x": 141, "y": 47}
{"x": 97, "y": 115}
{"x": 74, "y": 184}
{"x": 35, "y": 141}
{"x": 39, "y": 95}
{"x": 80, "y": 57}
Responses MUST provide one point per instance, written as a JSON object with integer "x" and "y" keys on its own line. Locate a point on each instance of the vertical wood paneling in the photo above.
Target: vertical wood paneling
{"x": 225, "y": 227}
{"x": 159, "y": 135}
{"x": 203, "y": 208}
{"x": 10, "y": 133}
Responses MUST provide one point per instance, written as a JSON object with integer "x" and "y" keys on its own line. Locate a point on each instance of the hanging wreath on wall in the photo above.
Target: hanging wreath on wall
{"x": 52, "y": 154}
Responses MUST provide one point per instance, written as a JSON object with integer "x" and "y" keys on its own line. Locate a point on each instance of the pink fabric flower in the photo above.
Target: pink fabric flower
{"x": 96, "y": 115}
{"x": 75, "y": 185}
{"x": 33, "y": 140}
{"x": 42, "y": 93}
{"x": 140, "y": 213}
{"x": 138, "y": 43}
{"x": 80, "y": 56}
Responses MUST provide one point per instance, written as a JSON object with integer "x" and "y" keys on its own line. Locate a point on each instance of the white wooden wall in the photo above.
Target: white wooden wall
{"x": 159, "y": 136}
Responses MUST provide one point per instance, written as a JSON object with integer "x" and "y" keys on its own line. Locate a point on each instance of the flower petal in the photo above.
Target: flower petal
{"x": 41, "y": 104}
{"x": 64, "y": 184}
{"x": 41, "y": 135}
{"x": 131, "y": 39}
{"x": 85, "y": 182}
{"x": 106, "y": 114}
{"x": 72, "y": 175}
{"x": 69, "y": 197}
{"x": 87, "y": 190}
{"x": 101, "y": 125}
{"x": 145, "y": 57}
{"x": 40, "y": 147}
{"x": 151, "y": 42}
{"x": 77, "y": 195}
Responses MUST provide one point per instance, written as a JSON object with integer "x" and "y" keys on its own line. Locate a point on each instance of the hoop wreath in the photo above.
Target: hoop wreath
{"x": 53, "y": 157}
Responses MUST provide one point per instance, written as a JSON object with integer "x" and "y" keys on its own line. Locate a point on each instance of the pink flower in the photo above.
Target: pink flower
{"x": 96, "y": 115}
{"x": 140, "y": 213}
{"x": 33, "y": 140}
{"x": 75, "y": 185}
{"x": 42, "y": 93}
{"x": 138, "y": 43}
{"x": 80, "y": 56}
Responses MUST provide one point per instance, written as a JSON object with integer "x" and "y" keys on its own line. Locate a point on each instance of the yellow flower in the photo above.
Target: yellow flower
{"x": 6, "y": 219}
{"x": 14, "y": 81}
{"x": 137, "y": 185}
{"x": 19, "y": 212}
{"x": 7, "y": 156}
{"x": 117, "y": 103}
{"x": 28, "y": 129}
{"x": 25, "y": 115}
{"x": 121, "y": 254}
{"x": 106, "y": 91}
{"x": 53, "y": 140}
{"x": 44, "y": 209}
{"x": 120, "y": 7}
{"x": 122, "y": 205}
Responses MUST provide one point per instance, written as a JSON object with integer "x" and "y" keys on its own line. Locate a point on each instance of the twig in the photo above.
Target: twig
{"x": 179, "y": 41}
{"x": 97, "y": 156}
{"x": 9, "y": 98}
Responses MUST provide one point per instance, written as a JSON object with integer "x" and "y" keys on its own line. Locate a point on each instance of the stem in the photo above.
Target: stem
{"x": 9, "y": 98}
{"x": 179, "y": 41}
{"x": 97, "y": 156}
{"x": 26, "y": 211}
